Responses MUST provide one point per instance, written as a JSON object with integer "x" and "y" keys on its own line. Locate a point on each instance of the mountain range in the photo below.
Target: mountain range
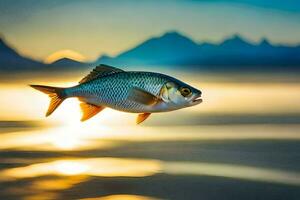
{"x": 175, "y": 49}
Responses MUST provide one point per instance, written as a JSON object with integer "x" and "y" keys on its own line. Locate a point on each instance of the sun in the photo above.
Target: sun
{"x": 66, "y": 53}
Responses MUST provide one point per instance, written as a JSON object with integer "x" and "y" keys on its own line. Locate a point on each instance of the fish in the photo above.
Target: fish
{"x": 138, "y": 92}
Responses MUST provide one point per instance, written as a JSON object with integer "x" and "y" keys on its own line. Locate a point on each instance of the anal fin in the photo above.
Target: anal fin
{"x": 89, "y": 110}
{"x": 142, "y": 117}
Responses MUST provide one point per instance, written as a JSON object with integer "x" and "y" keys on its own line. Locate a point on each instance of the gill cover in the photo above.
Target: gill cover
{"x": 167, "y": 90}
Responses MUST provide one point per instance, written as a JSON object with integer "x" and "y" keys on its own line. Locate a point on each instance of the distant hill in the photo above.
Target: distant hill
{"x": 11, "y": 60}
{"x": 179, "y": 51}
{"x": 174, "y": 48}
{"x": 169, "y": 49}
{"x": 67, "y": 63}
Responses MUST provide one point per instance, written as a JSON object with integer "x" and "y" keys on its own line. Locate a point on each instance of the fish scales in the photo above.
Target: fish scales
{"x": 113, "y": 90}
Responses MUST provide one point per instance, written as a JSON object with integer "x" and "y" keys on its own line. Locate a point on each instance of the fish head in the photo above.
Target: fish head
{"x": 179, "y": 95}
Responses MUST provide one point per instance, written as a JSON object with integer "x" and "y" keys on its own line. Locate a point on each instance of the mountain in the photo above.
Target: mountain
{"x": 234, "y": 52}
{"x": 171, "y": 48}
{"x": 65, "y": 63}
{"x": 176, "y": 50}
{"x": 10, "y": 59}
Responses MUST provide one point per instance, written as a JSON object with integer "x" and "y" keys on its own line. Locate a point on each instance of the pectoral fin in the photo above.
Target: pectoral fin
{"x": 142, "y": 117}
{"x": 89, "y": 110}
{"x": 141, "y": 96}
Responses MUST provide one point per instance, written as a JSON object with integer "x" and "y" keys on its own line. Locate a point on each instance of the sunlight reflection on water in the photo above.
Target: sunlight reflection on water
{"x": 122, "y": 197}
{"x": 105, "y": 167}
{"x": 122, "y": 167}
{"x": 69, "y": 138}
{"x": 233, "y": 171}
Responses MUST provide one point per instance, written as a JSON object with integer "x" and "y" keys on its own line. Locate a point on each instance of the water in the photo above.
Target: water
{"x": 247, "y": 161}
{"x": 243, "y": 142}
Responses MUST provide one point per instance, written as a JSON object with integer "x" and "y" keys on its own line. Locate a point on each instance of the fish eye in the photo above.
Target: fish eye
{"x": 185, "y": 91}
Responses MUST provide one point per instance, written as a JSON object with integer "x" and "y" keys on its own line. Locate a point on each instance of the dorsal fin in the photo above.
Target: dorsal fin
{"x": 100, "y": 71}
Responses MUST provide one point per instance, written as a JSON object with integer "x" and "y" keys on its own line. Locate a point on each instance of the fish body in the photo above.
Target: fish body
{"x": 127, "y": 91}
{"x": 113, "y": 91}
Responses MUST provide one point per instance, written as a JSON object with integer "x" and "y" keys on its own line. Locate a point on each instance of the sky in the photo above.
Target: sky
{"x": 90, "y": 28}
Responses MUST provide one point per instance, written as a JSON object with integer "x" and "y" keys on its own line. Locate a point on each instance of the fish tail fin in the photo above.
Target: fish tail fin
{"x": 57, "y": 96}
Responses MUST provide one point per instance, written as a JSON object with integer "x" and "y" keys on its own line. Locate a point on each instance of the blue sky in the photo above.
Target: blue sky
{"x": 39, "y": 28}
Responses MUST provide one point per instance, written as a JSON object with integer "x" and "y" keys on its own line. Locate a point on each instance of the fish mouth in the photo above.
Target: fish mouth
{"x": 197, "y": 100}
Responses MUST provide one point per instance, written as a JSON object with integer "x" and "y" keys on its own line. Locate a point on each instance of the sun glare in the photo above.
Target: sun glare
{"x": 66, "y": 142}
{"x": 70, "y": 168}
{"x": 104, "y": 167}
{"x": 67, "y": 53}
{"x": 122, "y": 197}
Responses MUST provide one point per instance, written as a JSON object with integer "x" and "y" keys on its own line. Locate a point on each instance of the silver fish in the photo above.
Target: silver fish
{"x": 127, "y": 91}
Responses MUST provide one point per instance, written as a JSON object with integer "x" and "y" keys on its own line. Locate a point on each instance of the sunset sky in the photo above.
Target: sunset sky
{"x": 91, "y": 28}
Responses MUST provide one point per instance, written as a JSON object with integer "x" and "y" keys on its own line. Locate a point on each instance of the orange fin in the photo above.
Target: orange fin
{"x": 142, "y": 117}
{"x": 89, "y": 110}
{"x": 57, "y": 96}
